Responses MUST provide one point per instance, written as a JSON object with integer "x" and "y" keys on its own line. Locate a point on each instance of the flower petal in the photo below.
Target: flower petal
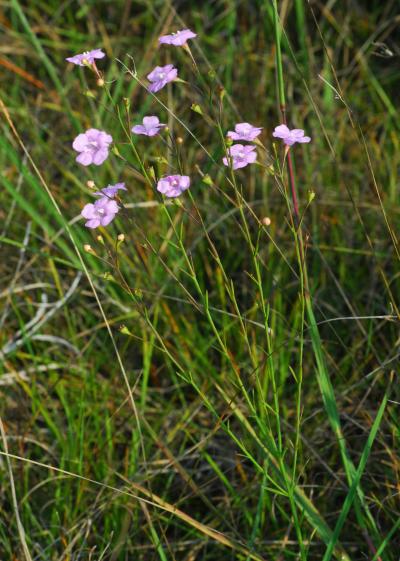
{"x": 85, "y": 158}
{"x": 100, "y": 156}
{"x": 93, "y": 223}
{"x": 80, "y": 142}
{"x": 88, "y": 211}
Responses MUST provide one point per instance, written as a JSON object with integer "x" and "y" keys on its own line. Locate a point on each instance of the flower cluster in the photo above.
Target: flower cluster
{"x": 93, "y": 146}
{"x": 240, "y": 155}
{"x": 103, "y": 211}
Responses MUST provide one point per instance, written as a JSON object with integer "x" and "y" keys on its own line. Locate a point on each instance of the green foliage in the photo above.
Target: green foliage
{"x": 220, "y": 382}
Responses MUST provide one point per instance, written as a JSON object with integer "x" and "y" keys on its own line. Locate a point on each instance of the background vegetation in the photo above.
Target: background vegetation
{"x": 248, "y": 431}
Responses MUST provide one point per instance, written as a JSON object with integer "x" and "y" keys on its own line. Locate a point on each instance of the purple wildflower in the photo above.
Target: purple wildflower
{"x": 151, "y": 126}
{"x": 101, "y": 213}
{"x": 178, "y": 38}
{"x": 111, "y": 190}
{"x": 173, "y": 185}
{"x": 87, "y": 58}
{"x": 93, "y": 147}
{"x": 290, "y": 137}
{"x": 244, "y": 131}
{"x": 240, "y": 156}
{"x": 160, "y": 76}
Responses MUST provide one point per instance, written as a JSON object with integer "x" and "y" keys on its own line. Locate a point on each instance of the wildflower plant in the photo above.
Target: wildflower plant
{"x": 214, "y": 267}
{"x": 171, "y": 175}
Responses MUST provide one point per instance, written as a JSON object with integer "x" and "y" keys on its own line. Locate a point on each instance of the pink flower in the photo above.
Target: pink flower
{"x": 111, "y": 190}
{"x": 93, "y": 146}
{"x": 290, "y": 137}
{"x": 87, "y": 58}
{"x": 240, "y": 156}
{"x": 101, "y": 213}
{"x": 244, "y": 131}
{"x": 178, "y": 38}
{"x": 160, "y": 76}
{"x": 151, "y": 126}
{"x": 173, "y": 185}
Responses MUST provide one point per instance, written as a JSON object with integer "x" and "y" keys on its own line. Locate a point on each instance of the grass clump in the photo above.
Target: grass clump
{"x": 212, "y": 376}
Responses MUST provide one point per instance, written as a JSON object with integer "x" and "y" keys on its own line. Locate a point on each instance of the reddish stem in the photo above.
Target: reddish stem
{"x": 293, "y": 185}
{"x": 291, "y": 172}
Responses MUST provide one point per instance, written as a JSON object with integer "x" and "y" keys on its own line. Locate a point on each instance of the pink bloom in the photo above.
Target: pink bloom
{"x": 239, "y": 156}
{"x": 178, "y": 38}
{"x": 151, "y": 126}
{"x": 160, "y": 76}
{"x": 87, "y": 58}
{"x": 244, "y": 131}
{"x": 93, "y": 146}
{"x": 290, "y": 137}
{"x": 111, "y": 190}
{"x": 173, "y": 185}
{"x": 101, "y": 213}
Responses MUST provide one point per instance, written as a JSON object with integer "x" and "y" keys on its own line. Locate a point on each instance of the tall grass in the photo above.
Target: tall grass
{"x": 220, "y": 381}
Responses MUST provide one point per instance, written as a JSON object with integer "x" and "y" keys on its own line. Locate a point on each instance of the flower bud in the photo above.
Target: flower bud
{"x": 179, "y": 140}
{"x": 196, "y": 108}
{"x": 91, "y": 184}
{"x": 266, "y": 221}
{"x": 100, "y": 82}
{"x": 87, "y": 247}
{"x": 121, "y": 237}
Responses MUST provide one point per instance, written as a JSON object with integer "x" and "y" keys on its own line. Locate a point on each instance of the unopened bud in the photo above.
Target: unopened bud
{"x": 87, "y": 247}
{"x": 99, "y": 238}
{"x": 196, "y": 108}
{"x": 266, "y": 221}
{"x": 100, "y": 82}
{"x": 179, "y": 140}
{"x": 207, "y": 179}
{"x": 91, "y": 184}
{"x": 121, "y": 237}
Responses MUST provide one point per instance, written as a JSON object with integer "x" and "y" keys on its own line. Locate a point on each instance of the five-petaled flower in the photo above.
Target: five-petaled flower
{"x": 101, "y": 213}
{"x": 179, "y": 38}
{"x": 111, "y": 190}
{"x": 160, "y": 76}
{"x": 244, "y": 131}
{"x": 290, "y": 137}
{"x": 151, "y": 126}
{"x": 239, "y": 156}
{"x": 93, "y": 146}
{"x": 87, "y": 58}
{"x": 173, "y": 185}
